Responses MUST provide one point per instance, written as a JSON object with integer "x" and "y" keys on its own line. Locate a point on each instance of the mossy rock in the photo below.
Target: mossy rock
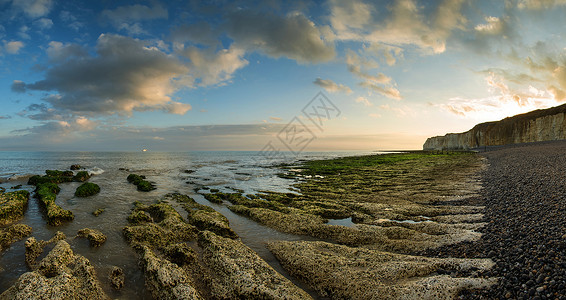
{"x": 97, "y": 212}
{"x": 57, "y": 173}
{"x": 13, "y": 206}
{"x": 214, "y": 198}
{"x": 95, "y": 237}
{"x": 47, "y": 188}
{"x": 87, "y": 189}
{"x": 36, "y": 179}
{"x": 135, "y": 179}
{"x": 139, "y": 217}
{"x": 145, "y": 186}
{"x": 81, "y": 176}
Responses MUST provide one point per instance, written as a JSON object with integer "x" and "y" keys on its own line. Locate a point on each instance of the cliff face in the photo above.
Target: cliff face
{"x": 536, "y": 126}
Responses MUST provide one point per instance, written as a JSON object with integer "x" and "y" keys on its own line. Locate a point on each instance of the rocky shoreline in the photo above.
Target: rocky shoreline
{"x": 394, "y": 216}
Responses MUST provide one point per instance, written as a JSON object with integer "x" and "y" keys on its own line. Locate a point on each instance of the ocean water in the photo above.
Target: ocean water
{"x": 223, "y": 170}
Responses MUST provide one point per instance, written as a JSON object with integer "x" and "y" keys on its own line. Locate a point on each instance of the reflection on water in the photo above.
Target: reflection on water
{"x": 222, "y": 170}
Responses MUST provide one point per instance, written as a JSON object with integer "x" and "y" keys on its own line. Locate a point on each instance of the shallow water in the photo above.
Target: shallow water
{"x": 222, "y": 170}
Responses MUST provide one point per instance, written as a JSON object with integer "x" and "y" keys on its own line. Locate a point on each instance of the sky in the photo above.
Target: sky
{"x": 283, "y": 75}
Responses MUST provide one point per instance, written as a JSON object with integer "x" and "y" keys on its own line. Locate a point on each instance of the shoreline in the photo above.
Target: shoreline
{"x": 398, "y": 203}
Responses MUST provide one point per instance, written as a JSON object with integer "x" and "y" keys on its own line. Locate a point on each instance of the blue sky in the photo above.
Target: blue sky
{"x": 230, "y": 75}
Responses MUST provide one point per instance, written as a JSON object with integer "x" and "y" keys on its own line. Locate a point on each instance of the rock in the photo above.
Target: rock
{"x": 16, "y": 187}
{"x": 13, "y": 233}
{"x": 166, "y": 280}
{"x": 87, "y": 189}
{"x": 189, "y": 171}
{"x": 75, "y": 167}
{"x": 535, "y": 126}
{"x": 239, "y": 273}
{"x": 81, "y": 176}
{"x": 342, "y": 272}
{"x": 164, "y": 228}
{"x": 95, "y": 237}
{"x": 142, "y": 185}
{"x": 204, "y": 217}
{"x": 55, "y": 215}
{"x": 60, "y": 275}
{"x": 97, "y": 212}
{"x": 12, "y": 206}
{"x": 34, "y": 248}
{"x": 116, "y": 277}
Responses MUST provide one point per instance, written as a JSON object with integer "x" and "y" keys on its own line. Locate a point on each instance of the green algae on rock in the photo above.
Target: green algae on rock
{"x": 95, "y": 237}
{"x": 97, "y": 212}
{"x": 87, "y": 189}
{"x": 62, "y": 274}
{"x": 142, "y": 184}
{"x": 204, "y": 217}
{"x": 34, "y": 248}
{"x": 216, "y": 267}
{"x": 81, "y": 176}
{"x": 55, "y": 215}
{"x": 12, "y": 234}
{"x": 13, "y": 206}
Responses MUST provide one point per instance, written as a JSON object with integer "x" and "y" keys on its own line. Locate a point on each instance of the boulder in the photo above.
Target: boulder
{"x": 62, "y": 274}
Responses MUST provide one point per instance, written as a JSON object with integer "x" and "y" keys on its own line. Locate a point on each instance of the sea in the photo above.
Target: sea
{"x": 181, "y": 172}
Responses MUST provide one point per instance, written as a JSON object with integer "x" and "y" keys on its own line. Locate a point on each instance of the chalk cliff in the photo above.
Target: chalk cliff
{"x": 535, "y": 126}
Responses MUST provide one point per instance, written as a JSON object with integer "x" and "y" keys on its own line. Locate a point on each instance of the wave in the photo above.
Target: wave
{"x": 95, "y": 171}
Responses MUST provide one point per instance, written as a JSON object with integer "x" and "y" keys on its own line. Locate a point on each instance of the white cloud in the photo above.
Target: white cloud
{"x": 332, "y": 86}
{"x": 33, "y": 8}
{"x": 208, "y": 68}
{"x": 364, "y": 101}
{"x": 13, "y": 47}
{"x": 43, "y": 23}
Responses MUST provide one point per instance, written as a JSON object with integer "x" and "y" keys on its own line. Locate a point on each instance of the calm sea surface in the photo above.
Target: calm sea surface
{"x": 224, "y": 170}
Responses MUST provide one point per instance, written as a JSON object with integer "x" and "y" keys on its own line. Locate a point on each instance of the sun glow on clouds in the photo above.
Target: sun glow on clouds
{"x": 371, "y": 56}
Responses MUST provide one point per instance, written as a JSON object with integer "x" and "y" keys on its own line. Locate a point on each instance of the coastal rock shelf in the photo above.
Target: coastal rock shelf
{"x": 363, "y": 219}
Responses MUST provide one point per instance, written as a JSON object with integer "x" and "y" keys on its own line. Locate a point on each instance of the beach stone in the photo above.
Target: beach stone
{"x": 116, "y": 277}
{"x": 75, "y": 167}
{"x": 12, "y": 206}
{"x": 13, "y": 233}
{"x": 60, "y": 275}
{"x": 95, "y": 237}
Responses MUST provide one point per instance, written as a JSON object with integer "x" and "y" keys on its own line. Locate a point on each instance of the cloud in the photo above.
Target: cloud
{"x": 126, "y": 75}
{"x": 207, "y": 67}
{"x": 13, "y": 47}
{"x": 332, "y": 86}
{"x": 43, "y": 23}
{"x": 380, "y": 83}
{"x": 33, "y": 8}
{"x": 58, "y": 52}
{"x": 405, "y": 22}
{"x": 539, "y": 4}
{"x": 293, "y": 36}
{"x": 387, "y": 91}
{"x": 275, "y": 118}
{"x": 5, "y": 117}
{"x": 364, "y": 101}
{"x": 127, "y": 17}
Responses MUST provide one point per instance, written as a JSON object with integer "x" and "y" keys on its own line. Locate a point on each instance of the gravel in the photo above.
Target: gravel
{"x": 524, "y": 193}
